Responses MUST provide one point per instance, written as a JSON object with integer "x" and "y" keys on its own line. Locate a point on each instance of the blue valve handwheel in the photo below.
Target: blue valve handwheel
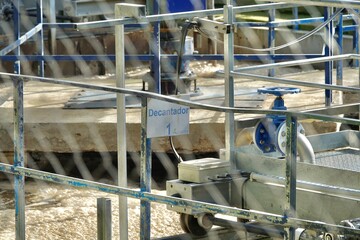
{"x": 279, "y": 91}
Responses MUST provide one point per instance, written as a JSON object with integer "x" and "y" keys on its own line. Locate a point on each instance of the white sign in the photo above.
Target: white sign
{"x": 166, "y": 119}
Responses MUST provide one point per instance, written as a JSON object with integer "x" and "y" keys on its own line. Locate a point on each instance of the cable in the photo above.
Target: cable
{"x": 185, "y": 27}
{"x": 184, "y": 30}
{"x": 178, "y": 157}
{"x": 318, "y": 28}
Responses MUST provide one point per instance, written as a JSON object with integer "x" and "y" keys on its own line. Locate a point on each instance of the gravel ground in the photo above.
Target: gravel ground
{"x": 59, "y": 212}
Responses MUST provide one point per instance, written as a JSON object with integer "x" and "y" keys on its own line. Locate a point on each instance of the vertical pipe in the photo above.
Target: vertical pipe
{"x": 355, "y": 63}
{"x": 40, "y": 36}
{"x": 19, "y": 158}
{"x": 210, "y": 4}
{"x": 290, "y": 171}
{"x": 328, "y": 52}
{"x": 271, "y": 40}
{"x": 339, "y": 65}
{"x": 145, "y": 166}
{"x": 121, "y": 123}
{"x": 155, "y": 47}
{"x": 19, "y": 181}
{"x": 145, "y": 174}
{"x": 229, "y": 84}
{"x": 295, "y": 12}
{"x": 104, "y": 219}
{"x": 52, "y": 19}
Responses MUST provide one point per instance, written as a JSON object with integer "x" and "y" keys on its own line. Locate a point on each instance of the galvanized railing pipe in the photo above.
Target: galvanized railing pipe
{"x": 19, "y": 148}
{"x": 296, "y": 82}
{"x": 299, "y": 62}
{"x": 40, "y": 36}
{"x": 188, "y": 103}
{"x": 180, "y": 15}
{"x": 21, "y": 39}
{"x": 121, "y": 124}
{"x": 104, "y": 216}
{"x": 229, "y": 84}
{"x": 290, "y": 171}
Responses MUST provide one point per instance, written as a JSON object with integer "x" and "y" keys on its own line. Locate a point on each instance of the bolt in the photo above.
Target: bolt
{"x": 302, "y": 131}
{"x": 262, "y": 142}
{"x": 262, "y": 130}
{"x": 267, "y": 149}
{"x": 283, "y": 133}
{"x": 283, "y": 144}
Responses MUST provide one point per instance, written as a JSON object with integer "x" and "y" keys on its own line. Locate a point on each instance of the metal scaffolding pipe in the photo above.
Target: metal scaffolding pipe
{"x": 121, "y": 124}
{"x": 296, "y": 83}
{"x": 299, "y": 62}
{"x": 174, "y": 16}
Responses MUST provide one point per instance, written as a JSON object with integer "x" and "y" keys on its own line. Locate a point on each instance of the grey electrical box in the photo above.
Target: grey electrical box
{"x": 132, "y": 10}
{"x": 203, "y": 170}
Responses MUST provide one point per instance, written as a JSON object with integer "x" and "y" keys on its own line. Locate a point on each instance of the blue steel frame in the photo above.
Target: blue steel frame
{"x": 144, "y": 194}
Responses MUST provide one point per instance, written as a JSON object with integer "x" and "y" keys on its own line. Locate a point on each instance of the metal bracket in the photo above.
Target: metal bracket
{"x": 214, "y": 26}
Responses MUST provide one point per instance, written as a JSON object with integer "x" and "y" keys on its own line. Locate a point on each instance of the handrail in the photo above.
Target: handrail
{"x": 144, "y": 94}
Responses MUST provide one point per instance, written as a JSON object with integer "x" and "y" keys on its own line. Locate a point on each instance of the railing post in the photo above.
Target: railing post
{"x": 339, "y": 66}
{"x": 328, "y": 52}
{"x": 40, "y": 37}
{"x": 355, "y": 42}
{"x": 229, "y": 84}
{"x": 121, "y": 123}
{"x": 271, "y": 40}
{"x": 19, "y": 182}
{"x": 290, "y": 171}
{"x": 295, "y": 12}
{"x": 145, "y": 174}
{"x": 154, "y": 45}
{"x": 104, "y": 225}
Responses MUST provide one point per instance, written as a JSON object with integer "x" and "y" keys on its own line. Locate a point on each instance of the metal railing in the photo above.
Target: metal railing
{"x": 144, "y": 194}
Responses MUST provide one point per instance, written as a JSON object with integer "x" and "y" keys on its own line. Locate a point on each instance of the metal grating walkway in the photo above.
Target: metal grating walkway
{"x": 346, "y": 159}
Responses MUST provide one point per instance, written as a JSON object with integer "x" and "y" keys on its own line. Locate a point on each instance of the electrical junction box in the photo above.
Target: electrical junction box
{"x": 203, "y": 170}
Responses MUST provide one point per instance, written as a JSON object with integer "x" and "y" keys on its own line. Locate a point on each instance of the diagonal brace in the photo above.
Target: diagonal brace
{"x": 21, "y": 40}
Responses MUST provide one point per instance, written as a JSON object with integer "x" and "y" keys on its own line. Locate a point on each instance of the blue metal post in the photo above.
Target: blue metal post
{"x": 155, "y": 47}
{"x": 19, "y": 181}
{"x": 290, "y": 171}
{"x": 295, "y": 12}
{"x": 145, "y": 167}
{"x": 145, "y": 175}
{"x": 339, "y": 65}
{"x": 328, "y": 52}
{"x": 271, "y": 40}
{"x": 40, "y": 36}
{"x": 356, "y": 43}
